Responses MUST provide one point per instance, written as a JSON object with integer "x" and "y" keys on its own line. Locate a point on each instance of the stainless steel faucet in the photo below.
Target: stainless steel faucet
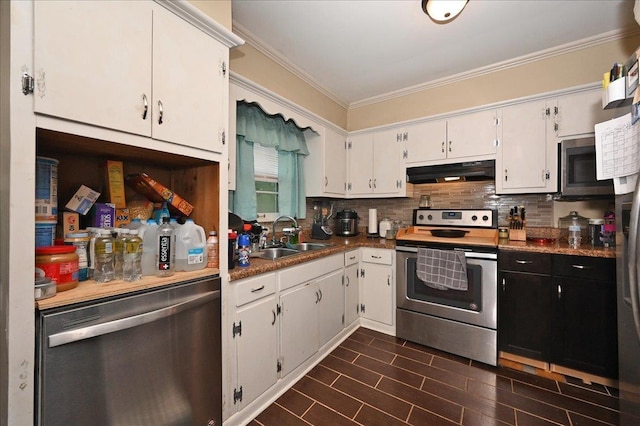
{"x": 288, "y": 232}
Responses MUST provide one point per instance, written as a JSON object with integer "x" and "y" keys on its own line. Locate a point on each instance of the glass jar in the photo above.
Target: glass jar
{"x": 573, "y": 219}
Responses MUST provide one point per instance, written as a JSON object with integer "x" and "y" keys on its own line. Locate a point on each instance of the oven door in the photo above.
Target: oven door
{"x": 477, "y": 305}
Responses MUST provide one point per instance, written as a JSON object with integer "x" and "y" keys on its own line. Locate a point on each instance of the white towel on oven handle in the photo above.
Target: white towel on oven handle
{"x": 442, "y": 269}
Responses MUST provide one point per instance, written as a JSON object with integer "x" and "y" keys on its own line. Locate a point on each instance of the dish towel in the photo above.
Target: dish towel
{"x": 442, "y": 269}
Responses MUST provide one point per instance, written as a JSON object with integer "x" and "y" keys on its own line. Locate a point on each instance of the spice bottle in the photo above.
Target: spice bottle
{"x": 212, "y": 250}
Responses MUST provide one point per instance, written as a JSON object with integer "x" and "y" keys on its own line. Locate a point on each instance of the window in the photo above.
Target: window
{"x": 265, "y": 164}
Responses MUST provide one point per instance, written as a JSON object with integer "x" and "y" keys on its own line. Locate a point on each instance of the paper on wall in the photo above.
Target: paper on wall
{"x": 617, "y": 148}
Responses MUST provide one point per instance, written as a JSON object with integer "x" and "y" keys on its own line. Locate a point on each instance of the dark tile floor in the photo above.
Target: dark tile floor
{"x": 375, "y": 379}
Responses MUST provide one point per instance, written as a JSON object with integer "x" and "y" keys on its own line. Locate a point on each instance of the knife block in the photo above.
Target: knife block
{"x": 518, "y": 234}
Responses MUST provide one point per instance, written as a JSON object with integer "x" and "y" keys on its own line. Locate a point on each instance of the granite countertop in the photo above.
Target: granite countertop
{"x": 557, "y": 248}
{"x": 336, "y": 245}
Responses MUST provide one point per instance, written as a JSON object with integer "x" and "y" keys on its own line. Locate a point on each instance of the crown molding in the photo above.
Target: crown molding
{"x": 275, "y": 56}
{"x": 501, "y": 66}
{"x": 478, "y": 72}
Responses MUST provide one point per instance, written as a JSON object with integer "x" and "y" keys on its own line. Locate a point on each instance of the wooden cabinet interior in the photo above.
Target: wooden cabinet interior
{"x": 81, "y": 160}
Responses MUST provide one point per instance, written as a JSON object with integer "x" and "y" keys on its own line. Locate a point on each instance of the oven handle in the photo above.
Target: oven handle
{"x": 467, "y": 254}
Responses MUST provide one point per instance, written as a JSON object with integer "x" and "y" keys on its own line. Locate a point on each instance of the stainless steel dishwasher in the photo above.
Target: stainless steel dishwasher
{"x": 152, "y": 358}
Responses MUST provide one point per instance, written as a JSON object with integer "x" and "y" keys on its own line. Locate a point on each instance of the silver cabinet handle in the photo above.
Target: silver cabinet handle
{"x": 255, "y": 290}
{"x": 326, "y": 181}
{"x": 320, "y": 295}
{"x": 376, "y": 257}
{"x": 317, "y": 297}
{"x": 348, "y": 281}
{"x": 581, "y": 267}
{"x": 388, "y": 280}
{"x": 559, "y": 292}
{"x": 146, "y": 106}
{"x": 374, "y": 183}
{"x": 506, "y": 175}
{"x": 161, "y": 113}
{"x": 450, "y": 143}
{"x": 503, "y": 284}
{"x": 524, "y": 262}
{"x": 71, "y": 336}
{"x": 274, "y": 316}
{"x": 442, "y": 146}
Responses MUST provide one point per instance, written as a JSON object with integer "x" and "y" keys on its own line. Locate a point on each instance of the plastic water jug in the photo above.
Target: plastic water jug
{"x": 191, "y": 247}
{"x": 149, "y": 248}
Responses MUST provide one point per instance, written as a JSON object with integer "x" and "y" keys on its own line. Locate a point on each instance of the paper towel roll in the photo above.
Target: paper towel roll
{"x": 373, "y": 221}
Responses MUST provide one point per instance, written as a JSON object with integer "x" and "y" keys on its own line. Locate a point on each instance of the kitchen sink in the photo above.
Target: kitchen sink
{"x": 308, "y": 246}
{"x": 276, "y": 253}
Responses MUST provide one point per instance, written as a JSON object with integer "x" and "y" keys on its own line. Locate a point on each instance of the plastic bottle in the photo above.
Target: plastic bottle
{"x": 91, "y": 249}
{"x": 575, "y": 237}
{"x": 149, "y": 248}
{"x": 118, "y": 252}
{"x": 103, "y": 271}
{"x": 132, "y": 266}
{"x": 191, "y": 242}
{"x": 244, "y": 242}
{"x": 212, "y": 250}
{"x": 81, "y": 242}
{"x": 165, "y": 250}
{"x": 232, "y": 238}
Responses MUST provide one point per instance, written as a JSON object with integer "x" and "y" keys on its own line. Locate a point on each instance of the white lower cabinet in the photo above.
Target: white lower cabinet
{"x": 255, "y": 336}
{"x": 377, "y": 284}
{"x": 330, "y": 306}
{"x": 351, "y": 287}
{"x": 299, "y": 325}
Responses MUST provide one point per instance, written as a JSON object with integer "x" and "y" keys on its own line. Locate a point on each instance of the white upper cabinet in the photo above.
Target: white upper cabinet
{"x": 189, "y": 84}
{"x": 136, "y": 68}
{"x": 578, "y": 113}
{"x": 472, "y": 135}
{"x": 375, "y": 164}
{"x": 464, "y": 137}
{"x": 325, "y": 167}
{"x": 426, "y": 141}
{"x": 526, "y": 157}
{"x": 90, "y": 70}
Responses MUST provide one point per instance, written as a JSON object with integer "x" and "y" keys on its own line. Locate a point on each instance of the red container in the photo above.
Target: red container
{"x": 60, "y": 263}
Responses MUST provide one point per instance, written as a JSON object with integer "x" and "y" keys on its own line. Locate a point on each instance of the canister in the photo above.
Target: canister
{"x": 60, "y": 263}
{"x": 595, "y": 232}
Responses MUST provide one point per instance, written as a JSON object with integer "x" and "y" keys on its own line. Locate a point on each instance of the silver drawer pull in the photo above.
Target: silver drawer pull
{"x": 524, "y": 262}
{"x": 255, "y": 290}
{"x": 376, "y": 257}
{"x": 581, "y": 267}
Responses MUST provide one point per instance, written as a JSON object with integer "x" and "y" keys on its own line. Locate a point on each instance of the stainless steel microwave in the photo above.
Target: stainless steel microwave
{"x": 577, "y": 174}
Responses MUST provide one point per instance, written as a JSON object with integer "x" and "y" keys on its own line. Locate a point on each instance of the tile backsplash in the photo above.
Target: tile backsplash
{"x": 540, "y": 210}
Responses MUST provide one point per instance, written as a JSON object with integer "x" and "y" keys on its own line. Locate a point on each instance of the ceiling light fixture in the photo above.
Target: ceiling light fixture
{"x": 443, "y": 10}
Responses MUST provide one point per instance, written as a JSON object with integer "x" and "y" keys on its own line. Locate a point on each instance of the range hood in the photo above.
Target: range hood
{"x": 471, "y": 170}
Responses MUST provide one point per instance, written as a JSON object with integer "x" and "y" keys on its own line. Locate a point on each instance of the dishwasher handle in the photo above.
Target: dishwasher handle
{"x": 71, "y": 336}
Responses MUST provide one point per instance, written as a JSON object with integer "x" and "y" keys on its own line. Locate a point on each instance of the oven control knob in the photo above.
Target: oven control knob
{"x": 421, "y": 217}
{"x": 474, "y": 218}
{"x": 485, "y": 218}
{"x": 430, "y": 217}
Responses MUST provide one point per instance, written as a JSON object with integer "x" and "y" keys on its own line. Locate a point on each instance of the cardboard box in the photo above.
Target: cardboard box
{"x": 70, "y": 223}
{"x": 122, "y": 218}
{"x": 115, "y": 183}
{"x": 82, "y": 200}
{"x": 103, "y": 215}
{"x": 158, "y": 193}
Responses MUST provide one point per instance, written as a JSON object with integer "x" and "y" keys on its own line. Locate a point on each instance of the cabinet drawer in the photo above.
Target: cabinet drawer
{"x": 351, "y": 257}
{"x": 592, "y": 268}
{"x": 522, "y": 261}
{"x": 254, "y": 288}
{"x": 308, "y": 271}
{"x": 381, "y": 256}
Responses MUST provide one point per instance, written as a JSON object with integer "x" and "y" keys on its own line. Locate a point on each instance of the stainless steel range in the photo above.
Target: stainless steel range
{"x": 447, "y": 282}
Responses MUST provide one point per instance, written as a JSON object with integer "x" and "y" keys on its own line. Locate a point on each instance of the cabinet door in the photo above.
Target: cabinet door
{"x": 360, "y": 155}
{"x": 426, "y": 142}
{"x": 188, "y": 84}
{"x": 580, "y": 112}
{"x": 522, "y": 158}
{"x": 524, "y": 314}
{"x": 257, "y": 348}
{"x": 377, "y": 293}
{"x": 298, "y": 326}
{"x": 388, "y": 166}
{"x": 472, "y": 135}
{"x": 335, "y": 163}
{"x": 331, "y": 306}
{"x": 92, "y": 62}
{"x": 352, "y": 302}
{"x": 585, "y": 327}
